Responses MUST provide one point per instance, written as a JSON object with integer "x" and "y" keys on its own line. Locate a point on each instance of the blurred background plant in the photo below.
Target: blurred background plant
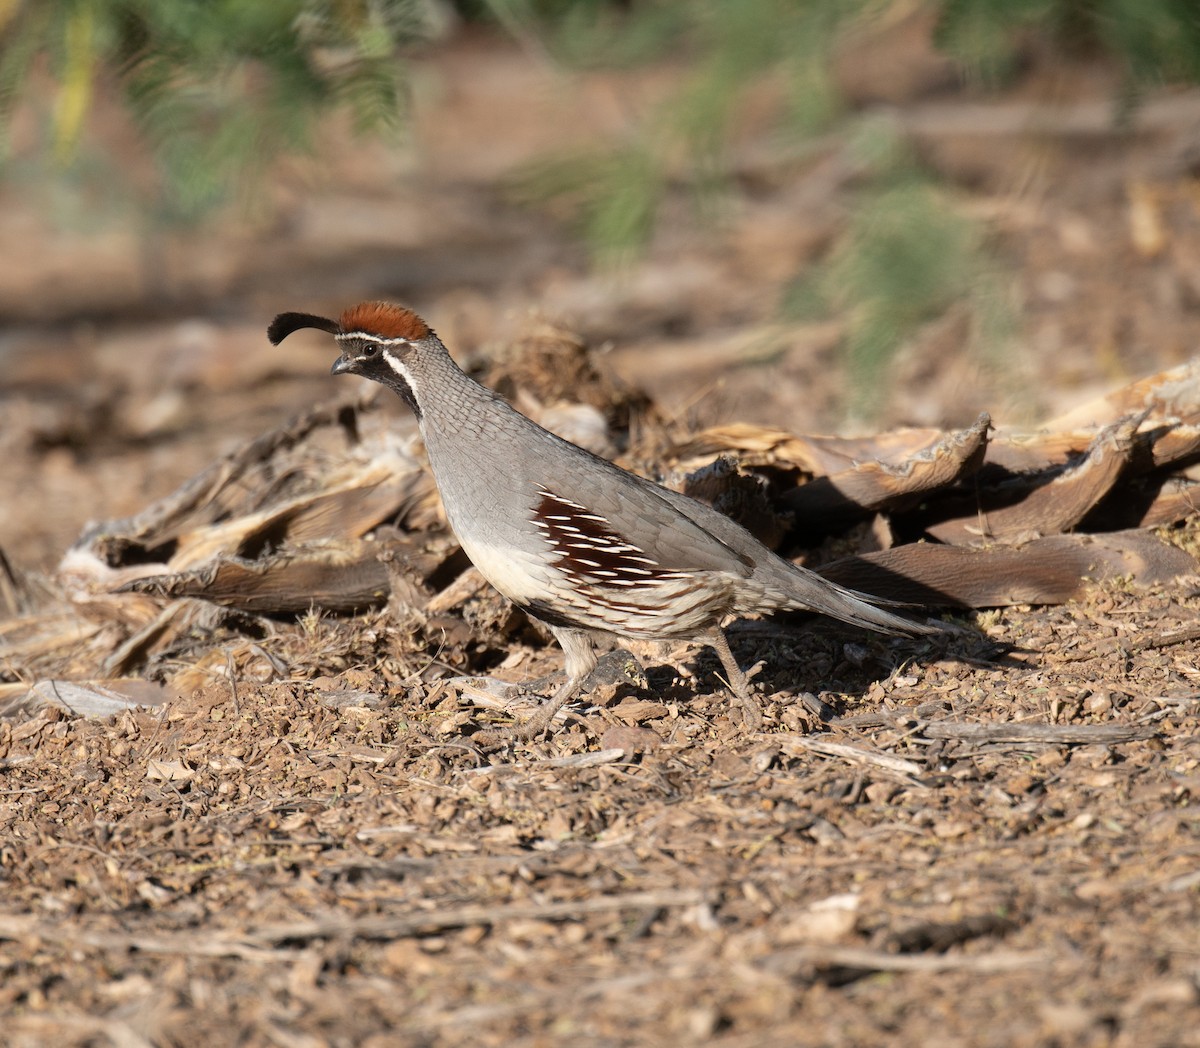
{"x": 905, "y": 253}
{"x": 219, "y": 91}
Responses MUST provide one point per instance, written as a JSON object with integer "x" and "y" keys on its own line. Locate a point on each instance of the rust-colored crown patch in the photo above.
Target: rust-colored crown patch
{"x": 385, "y": 320}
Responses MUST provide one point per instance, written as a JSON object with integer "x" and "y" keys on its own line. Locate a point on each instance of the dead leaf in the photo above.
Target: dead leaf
{"x": 168, "y": 771}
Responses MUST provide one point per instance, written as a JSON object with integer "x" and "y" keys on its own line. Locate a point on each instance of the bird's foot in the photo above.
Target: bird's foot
{"x": 615, "y": 669}
{"x": 495, "y": 738}
{"x": 738, "y": 681}
{"x": 752, "y": 717}
{"x": 523, "y": 731}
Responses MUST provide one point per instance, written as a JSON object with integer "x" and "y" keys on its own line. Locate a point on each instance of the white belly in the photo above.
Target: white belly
{"x": 521, "y": 577}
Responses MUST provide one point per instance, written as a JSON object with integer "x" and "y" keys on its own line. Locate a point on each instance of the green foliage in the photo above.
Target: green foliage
{"x": 219, "y": 88}
{"x": 592, "y": 33}
{"x": 905, "y": 256}
{"x": 614, "y": 192}
{"x": 983, "y": 34}
{"x": 907, "y": 253}
{"x": 1157, "y": 41}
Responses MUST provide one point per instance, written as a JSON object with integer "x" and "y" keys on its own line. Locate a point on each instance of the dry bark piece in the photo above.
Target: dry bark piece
{"x": 1168, "y": 404}
{"x": 1151, "y": 501}
{"x": 740, "y": 497}
{"x": 199, "y": 500}
{"x": 172, "y": 621}
{"x": 46, "y": 633}
{"x": 817, "y": 456}
{"x": 1048, "y": 734}
{"x": 1170, "y": 394}
{"x": 342, "y": 577}
{"x": 168, "y": 771}
{"x": 635, "y": 710}
{"x": 346, "y": 504}
{"x": 870, "y": 487}
{"x": 1176, "y": 501}
{"x": 273, "y": 493}
{"x": 1026, "y": 484}
{"x": 1049, "y": 570}
{"x": 81, "y": 698}
{"x": 1161, "y": 441}
{"x": 1013, "y": 510}
{"x": 553, "y": 366}
{"x": 271, "y": 529}
{"x": 1171, "y": 444}
{"x": 1154, "y": 487}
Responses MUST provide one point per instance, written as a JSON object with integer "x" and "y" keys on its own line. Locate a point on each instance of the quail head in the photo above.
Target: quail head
{"x": 578, "y": 543}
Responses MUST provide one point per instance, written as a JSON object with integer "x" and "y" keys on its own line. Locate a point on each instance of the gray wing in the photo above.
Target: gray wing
{"x": 681, "y": 534}
{"x": 676, "y": 532}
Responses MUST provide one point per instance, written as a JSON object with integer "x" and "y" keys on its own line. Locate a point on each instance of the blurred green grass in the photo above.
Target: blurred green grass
{"x": 220, "y": 90}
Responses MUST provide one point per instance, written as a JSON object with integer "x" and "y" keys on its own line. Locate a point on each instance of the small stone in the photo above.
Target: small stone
{"x": 880, "y": 792}
{"x": 630, "y": 738}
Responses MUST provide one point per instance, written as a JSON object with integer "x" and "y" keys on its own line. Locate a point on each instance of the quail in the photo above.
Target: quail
{"x": 578, "y": 543}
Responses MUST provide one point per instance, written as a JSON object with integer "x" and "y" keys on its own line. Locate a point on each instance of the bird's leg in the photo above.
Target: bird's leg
{"x": 581, "y": 659}
{"x": 540, "y": 721}
{"x": 739, "y": 682}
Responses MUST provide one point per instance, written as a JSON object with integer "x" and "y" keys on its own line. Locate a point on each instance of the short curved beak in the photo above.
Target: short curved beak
{"x": 342, "y": 365}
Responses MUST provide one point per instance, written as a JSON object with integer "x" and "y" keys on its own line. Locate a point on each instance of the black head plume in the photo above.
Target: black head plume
{"x": 284, "y": 324}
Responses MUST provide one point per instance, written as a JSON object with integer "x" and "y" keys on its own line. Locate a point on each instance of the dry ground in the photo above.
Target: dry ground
{"x": 328, "y": 859}
{"x": 991, "y": 839}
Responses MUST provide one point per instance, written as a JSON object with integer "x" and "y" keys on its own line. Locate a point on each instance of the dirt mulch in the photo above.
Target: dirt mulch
{"x": 990, "y": 837}
{"x": 999, "y": 847}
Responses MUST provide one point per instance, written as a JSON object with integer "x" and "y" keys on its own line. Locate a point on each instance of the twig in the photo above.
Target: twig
{"x": 16, "y": 927}
{"x": 237, "y": 706}
{"x": 908, "y": 771}
{"x": 882, "y": 961}
{"x": 262, "y": 944}
{"x": 202, "y": 488}
{"x": 1165, "y": 639}
{"x": 578, "y": 760}
{"x": 419, "y": 923}
{"x": 1052, "y": 734}
{"x": 127, "y": 654}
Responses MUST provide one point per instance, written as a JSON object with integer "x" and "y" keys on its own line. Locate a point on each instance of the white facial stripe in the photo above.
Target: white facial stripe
{"x": 398, "y": 367}
{"x": 364, "y": 336}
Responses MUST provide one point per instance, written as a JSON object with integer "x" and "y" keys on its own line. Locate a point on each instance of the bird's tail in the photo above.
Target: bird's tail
{"x": 810, "y": 592}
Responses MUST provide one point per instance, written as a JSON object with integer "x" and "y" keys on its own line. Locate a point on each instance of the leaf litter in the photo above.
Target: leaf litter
{"x": 239, "y": 796}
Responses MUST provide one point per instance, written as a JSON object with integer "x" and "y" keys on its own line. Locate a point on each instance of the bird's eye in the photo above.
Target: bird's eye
{"x": 369, "y": 351}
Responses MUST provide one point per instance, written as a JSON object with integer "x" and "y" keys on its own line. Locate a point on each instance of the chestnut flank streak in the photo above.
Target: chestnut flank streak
{"x": 589, "y": 549}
